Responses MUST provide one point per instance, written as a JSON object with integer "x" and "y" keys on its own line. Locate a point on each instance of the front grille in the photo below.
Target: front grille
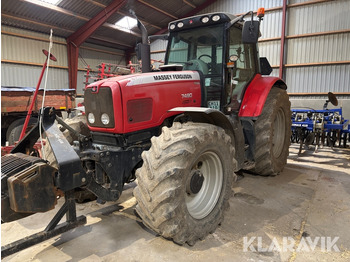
{"x": 99, "y": 103}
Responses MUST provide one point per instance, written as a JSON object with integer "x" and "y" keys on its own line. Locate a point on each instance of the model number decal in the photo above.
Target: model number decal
{"x": 188, "y": 95}
{"x": 172, "y": 77}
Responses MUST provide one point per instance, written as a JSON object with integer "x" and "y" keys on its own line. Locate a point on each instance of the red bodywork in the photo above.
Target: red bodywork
{"x": 161, "y": 90}
{"x": 256, "y": 94}
{"x": 149, "y": 97}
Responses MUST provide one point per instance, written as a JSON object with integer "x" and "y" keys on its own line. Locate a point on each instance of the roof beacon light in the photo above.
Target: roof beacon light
{"x": 261, "y": 13}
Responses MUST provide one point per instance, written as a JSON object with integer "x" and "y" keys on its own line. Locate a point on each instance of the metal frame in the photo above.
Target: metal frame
{"x": 71, "y": 175}
{"x": 52, "y": 229}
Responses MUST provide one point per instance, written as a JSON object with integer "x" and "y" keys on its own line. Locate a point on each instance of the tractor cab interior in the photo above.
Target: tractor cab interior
{"x": 201, "y": 49}
{"x": 243, "y": 60}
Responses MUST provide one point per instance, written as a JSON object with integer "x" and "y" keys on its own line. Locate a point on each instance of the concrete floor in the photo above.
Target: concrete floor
{"x": 310, "y": 199}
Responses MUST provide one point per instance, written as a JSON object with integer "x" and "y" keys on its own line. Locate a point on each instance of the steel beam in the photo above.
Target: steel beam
{"x": 199, "y": 8}
{"x": 84, "y": 32}
{"x": 93, "y": 24}
{"x": 157, "y": 9}
{"x": 4, "y": 15}
{"x": 78, "y": 16}
{"x": 189, "y": 3}
{"x": 73, "y": 54}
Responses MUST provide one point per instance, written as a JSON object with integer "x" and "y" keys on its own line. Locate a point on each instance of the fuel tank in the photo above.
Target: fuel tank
{"x": 136, "y": 102}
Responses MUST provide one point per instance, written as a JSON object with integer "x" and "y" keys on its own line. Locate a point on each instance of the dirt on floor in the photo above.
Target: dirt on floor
{"x": 303, "y": 214}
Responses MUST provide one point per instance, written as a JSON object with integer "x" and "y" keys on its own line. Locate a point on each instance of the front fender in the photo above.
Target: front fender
{"x": 256, "y": 94}
{"x": 230, "y": 124}
{"x": 206, "y": 115}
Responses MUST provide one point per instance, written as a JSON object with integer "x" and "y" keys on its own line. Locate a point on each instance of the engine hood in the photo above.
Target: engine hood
{"x": 141, "y": 101}
{"x": 149, "y": 78}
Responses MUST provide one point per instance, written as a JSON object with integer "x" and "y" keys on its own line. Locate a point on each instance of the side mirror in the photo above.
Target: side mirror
{"x": 250, "y": 32}
{"x": 265, "y": 67}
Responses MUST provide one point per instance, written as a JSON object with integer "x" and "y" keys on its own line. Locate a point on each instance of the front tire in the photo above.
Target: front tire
{"x": 273, "y": 133}
{"x": 173, "y": 198}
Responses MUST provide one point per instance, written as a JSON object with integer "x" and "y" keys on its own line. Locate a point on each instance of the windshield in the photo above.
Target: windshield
{"x": 198, "y": 49}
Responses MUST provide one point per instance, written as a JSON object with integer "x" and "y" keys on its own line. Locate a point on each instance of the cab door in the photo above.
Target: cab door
{"x": 241, "y": 67}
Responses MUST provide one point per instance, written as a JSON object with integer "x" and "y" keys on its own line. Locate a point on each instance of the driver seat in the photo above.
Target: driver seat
{"x": 197, "y": 65}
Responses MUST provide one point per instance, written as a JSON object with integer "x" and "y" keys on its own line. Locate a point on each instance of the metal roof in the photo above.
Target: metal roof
{"x": 69, "y": 15}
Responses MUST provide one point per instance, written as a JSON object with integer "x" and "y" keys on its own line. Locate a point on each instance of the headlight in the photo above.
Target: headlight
{"x": 205, "y": 19}
{"x": 216, "y": 18}
{"x": 105, "y": 119}
{"x": 91, "y": 118}
{"x": 179, "y": 25}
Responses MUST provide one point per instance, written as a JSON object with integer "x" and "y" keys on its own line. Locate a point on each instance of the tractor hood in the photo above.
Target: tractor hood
{"x": 149, "y": 78}
{"x": 136, "y": 102}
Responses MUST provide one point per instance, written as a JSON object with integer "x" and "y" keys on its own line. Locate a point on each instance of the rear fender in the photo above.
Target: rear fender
{"x": 215, "y": 117}
{"x": 256, "y": 94}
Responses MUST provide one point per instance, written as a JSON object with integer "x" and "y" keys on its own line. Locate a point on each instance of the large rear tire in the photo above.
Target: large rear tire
{"x": 173, "y": 199}
{"x": 14, "y": 130}
{"x": 273, "y": 133}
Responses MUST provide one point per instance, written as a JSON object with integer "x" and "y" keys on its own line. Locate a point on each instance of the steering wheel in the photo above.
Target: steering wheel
{"x": 209, "y": 64}
{"x": 206, "y": 56}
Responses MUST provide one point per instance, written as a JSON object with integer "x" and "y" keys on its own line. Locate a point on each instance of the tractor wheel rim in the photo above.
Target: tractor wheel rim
{"x": 201, "y": 204}
{"x": 279, "y": 133}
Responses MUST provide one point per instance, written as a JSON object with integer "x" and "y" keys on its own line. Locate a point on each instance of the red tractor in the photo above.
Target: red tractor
{"x": 182, "y": 132}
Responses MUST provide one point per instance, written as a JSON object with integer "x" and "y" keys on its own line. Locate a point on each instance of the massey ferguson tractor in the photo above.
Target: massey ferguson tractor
{"x": 181, "y": 132}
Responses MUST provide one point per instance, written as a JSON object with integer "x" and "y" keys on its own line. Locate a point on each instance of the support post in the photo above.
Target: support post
{"x": 283, "y": 37}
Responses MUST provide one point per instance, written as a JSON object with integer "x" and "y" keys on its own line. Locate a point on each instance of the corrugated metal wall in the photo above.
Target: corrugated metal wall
{"x": 303, "y": 19}
{"x": 319, "y": 79}
{"x": 22, "y": 59}
{"x": 321, "y": 17}
{"x": 28, "y": 76}
{"x": 94, "y": 58}
{"x": 312, "y": 18}
{"x": 28, "y": 50}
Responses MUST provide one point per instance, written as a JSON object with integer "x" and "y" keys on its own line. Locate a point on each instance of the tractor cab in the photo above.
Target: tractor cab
{"x": 212, "y": 44}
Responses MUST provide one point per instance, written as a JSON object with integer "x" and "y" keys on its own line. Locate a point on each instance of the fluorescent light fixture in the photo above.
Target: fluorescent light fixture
{"x": 53, "y": 2}
{"x": 127, "y": 22}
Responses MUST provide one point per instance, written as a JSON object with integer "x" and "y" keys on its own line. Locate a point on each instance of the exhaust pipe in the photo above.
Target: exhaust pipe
{"x": 143, "y": 50}
{"x": 144, "y": 33}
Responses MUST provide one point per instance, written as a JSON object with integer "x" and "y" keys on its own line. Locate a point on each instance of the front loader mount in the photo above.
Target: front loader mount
{"x": 29, "y": 184}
